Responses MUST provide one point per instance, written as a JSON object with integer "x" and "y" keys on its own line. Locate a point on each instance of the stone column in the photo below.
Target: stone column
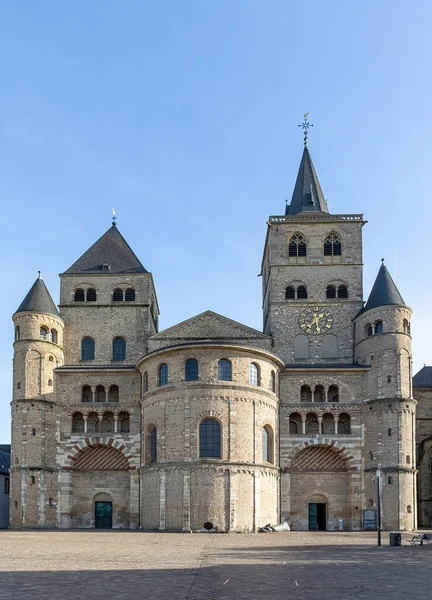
{"x": 303, "y": 417}
{"x": 93, "y": 391}
{"x": 186, "y": 502}
{"x": 100, "y": 423}
{"x": 162, "y": 500}
{"x": 320, "y": 424}
{"x": 85, "y": 417}
{"x": 115, "y": 423}
{"x": 336, "y": 421}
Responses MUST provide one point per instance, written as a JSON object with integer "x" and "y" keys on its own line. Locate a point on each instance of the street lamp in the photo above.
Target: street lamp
{"x": 378, "y": 484}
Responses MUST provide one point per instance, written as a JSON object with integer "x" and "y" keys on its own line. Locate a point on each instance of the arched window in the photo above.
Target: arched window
{"x": 17, "y": 333}
{"x": 91, "y": 295}
{"x": 267, "y": 444}
{"x": 305, "y": 394}
{"x": 54, "y": 336}
{"x": 191, "y": 369}
{"x": 51, "y": 359}
{"x": 43, "y": 333}
{"x": 50, "y": 382}
{"x": 342, "y": 291}
{"x": 113, "y": 393}
{"x": 408, "y": 459}
{"x": 328, "y": 424}
{"x": 311, "y": 423}
{"x": 331, "y": 291}
{"x": 224, "y": 370}
{"x": 319, "y": 394}
{"x": 93, "y": 423}
{"x": 295, "y": 423}
{"x": 409, "y": 509}
{"x": 344, "y": 424}
{"x": 79, "y": 295}
{"x": 332, "y": 245}
{"x": 86, "y": 394}
{"x": 130, "y": 295}
{"x": 333, "y": 394}
{"x": 379, "y": 327}
{"x": 273, "y": 381}
{"x": 145, "y": 382}
{"x": 290, "y": 293}
{"x": 302, "y": 292}
{"x": 390, "y": 480}
{"x": 87, "y": 349}
{"x": 100, "y": 395}
{"x": 124, "y": 422}
{"x": 117, "y": 295}
{"x": 406, "y": 326}
{"x": 77, "y": 423}
{"x": 254, "y": 374}
{"x": 297, "y": 246}
{"x": 210, "y": 439}
{"x": 153, "y": 444}
{"x": 163, "y": 374}
{"x": 107, "y": 423}
{"x": 119, "y": 349}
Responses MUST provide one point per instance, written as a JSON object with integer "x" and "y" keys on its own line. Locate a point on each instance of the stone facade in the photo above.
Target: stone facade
{"x": 115, "y": 424}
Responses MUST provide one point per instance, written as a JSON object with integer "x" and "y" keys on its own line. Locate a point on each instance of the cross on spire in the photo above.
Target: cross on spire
{"x": 305, "y": 126}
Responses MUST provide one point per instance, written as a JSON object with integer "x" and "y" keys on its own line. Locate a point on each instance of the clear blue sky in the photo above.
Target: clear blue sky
{"x": 183, "y": 116}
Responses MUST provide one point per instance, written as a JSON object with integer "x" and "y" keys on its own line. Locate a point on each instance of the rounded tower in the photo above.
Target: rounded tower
{"x": 383, "y": 341}
{"x": 38, "y": 350}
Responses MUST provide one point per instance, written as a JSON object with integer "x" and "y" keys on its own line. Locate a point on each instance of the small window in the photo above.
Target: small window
{"x": 119, "y": 349}
{"x": 330, "y": 291}
{"x": 163, "y": 374}
{"x": 389, "y": 431}
{"x": 87, "y": 349}
{"x": 33, "y": 431}
{"x": 342, "y": 291}
{"x": 370, "y": 502}
{"x": 332, "y": 245}
{"x": 297, "y": 246}
{"x": 100, "y": 395}
{"x": 254, "y": 374}
{"x": 145, "y": 382}
{"x": 290, "y": 293}
{"x": 390, "y": 480}
{"x": 370, "y": 455}
{"x": 408, "y": 460}
{"x": 130, "y": 295}
{"x": 117, "y": 295}
{"x": 389, "y": 378}
{"x": 19, "y": 385}
{"x": 224, "y": 370}
{"x": 409, "y": 509}
{"x": 17, "y": 333}
{"x": 273, "y": 381}
{"x": 33, "y": 479}
{"x": 379, "y": 327}
{"x": 106, "y": 267}
{"x": 43, "y": 333}
{"x": 50, "y": 382}
{"x": 153, "y": 444}
{"x": 191, "y": 369}
{"x": 15, "y": 504}
{"x": 406, "y": 326}
{"x": 124, "y": 422}
{"x": 91, "y": 295}
{"x": 51, "y": 358}
{"x": 79, "y": 295}
{"x": 113, "y": 393}
{"x": 210, "y": 439}
{"x": 302, "y": 292}
{"x": 86, "y": 394}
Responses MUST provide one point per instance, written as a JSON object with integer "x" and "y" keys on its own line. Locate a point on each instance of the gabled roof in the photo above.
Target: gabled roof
{"x": 423, "y": 378}
{"x": 111, "y": 249}
{"x": 38, "y": 300}
{"x": 307, "y": 195}
{"x": 384, "y": 291}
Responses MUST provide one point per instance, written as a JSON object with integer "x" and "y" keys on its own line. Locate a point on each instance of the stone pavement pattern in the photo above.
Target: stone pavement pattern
{"x": 71, "y": 565}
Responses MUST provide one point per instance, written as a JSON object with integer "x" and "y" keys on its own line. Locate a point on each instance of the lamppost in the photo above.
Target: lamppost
{"x": 378, "y": 484}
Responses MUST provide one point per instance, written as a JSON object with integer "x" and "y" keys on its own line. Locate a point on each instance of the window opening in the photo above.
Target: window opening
{"x": 91, "y": 295}
{"x": 297, "y": 246}
{"x": 290, "y": 293}
{"x": 86, "y": 394}
{"x": 107, "y": 423}
{"x": 17, "y": 333}
{"x": 153, "y": 444}
{"x": 113, "y": 393}
{"x": 253, "y": 374}
{"x": 224, "y": 370}
{"x": 331, "y": 291}
{"x": 79, "y": 295}
{"x": 267, "y": 444}
{"x": 130, "y": 295}
{"x": 333, "y": 394}
{"x": 145, "y": 382}
{"x": 119, "y": 349}
{"x": 332, "y": 245}
{"x": 379, "y": 327}
{"x": 77, "y": 423}
{"x": 273, "y": 381}
{"x": 100, "y": 394}
{"x": 302, "y": 292}
{"x": 319, "y": 394}
{"x": 210, "y": 439}
{"x": 191, "y": 369}
{"x": 344, "y": 424}
{"x": 124, "y": 422}
{"x": 117, "y": 295}
{"x": 342, "y": 291}
{"x": 43, "y": 333}
{"x": 163, "y": 374}
{"x": 305, "y": 394}
{"x": 87, "y": 349}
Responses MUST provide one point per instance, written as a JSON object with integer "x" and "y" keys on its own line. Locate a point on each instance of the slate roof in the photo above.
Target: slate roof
{"x": 38, "y": 300}
{"x": 423, "y": 378}
{"x": 4, "y": 463}
{"x": 384, "y": 291}
{"x": 307, "y": 195}
{"x": 111, "y": 249}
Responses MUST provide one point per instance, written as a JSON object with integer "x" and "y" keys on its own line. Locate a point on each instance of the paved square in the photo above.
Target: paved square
{"x": 67, "y": 565}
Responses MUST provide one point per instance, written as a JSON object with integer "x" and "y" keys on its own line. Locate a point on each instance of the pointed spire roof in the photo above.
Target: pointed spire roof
{"x": 110, "y": 254}
{"x": 384, "y": 291}
{"x": 307, "y": 195}
{"x": 38, "y": 300}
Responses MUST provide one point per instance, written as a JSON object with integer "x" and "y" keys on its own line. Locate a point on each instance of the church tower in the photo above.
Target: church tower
{"x": 38, "y": 350}
{"x": 383, "y": 342}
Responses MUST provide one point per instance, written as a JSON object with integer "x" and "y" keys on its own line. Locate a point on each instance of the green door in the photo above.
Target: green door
{"x": 103, "y": 515}
{"x": 317, "y": 516}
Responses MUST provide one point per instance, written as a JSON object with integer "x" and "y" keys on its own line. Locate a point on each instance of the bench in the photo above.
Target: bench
{"x": 420, "y": 539}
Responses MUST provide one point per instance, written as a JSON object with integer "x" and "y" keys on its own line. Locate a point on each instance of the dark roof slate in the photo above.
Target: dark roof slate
{"x": 307, "y": 195}
{"x": 111, "y": 249}
{"x": 384, "y": 291}
{"x": 4, "y": 463}
{"x": 423, "y": 378}
{"x": 38, "y": 300}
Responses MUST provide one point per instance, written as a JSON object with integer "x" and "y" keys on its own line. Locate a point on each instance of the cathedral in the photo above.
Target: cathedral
{"x": 211, "y": 423}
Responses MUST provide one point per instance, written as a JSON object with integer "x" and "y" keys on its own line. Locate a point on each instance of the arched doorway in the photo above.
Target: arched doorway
{"x": 317, "y": 513}
{"x": 103, "y": 511}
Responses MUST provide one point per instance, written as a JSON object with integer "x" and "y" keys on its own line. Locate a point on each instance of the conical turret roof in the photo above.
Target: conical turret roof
{"x": 110, "y": 254}
{"x": 38, "y": 300}
{"x": 384, "y": 291}
{"x": 307, "y": 195}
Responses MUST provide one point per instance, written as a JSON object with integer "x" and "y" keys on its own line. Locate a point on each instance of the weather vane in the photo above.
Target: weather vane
{"x": 114, "y": 217}
{"x": 305, "y": 126}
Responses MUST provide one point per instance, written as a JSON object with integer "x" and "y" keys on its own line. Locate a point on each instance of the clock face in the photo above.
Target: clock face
{"x": 315, "y": 320}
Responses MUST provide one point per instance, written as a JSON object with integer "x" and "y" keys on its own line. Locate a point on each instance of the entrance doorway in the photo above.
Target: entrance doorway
{"x": 317, "y": 516}
{"x": 103, "y": 515}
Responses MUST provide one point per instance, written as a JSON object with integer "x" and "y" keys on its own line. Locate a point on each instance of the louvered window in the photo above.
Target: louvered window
{"x": 297, "y": 246}
{"x": 332, "y": 245}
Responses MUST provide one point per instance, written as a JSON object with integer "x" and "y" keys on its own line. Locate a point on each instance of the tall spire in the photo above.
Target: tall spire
{"x": 307, "y": 195}
{"x": 384, "y": 291}
{"x": 38, "y": 299}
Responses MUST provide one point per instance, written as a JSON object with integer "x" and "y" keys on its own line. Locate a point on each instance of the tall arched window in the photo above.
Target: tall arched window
{"x": 273, "y": 381}
{"x": 100, "y": 395}
{"x": 210, "y": 439}
{"x": 119, "y": 349}
{"x": 113, "y": 393}
{"x": 153, "y": 444}
{"x": 86, "y": 394}
{"x": 145, "y": 382}
{"x": 344, "y": 424}
{"x": 87, "y": 349}
{"x": 254, "y": 374}
{"x": 107, "y": 424}
{"x": 328, "y": 424}
{"x": 297, "y": 246}
{"x": 305, "y": 394}
{"x": 332, "y": 245}
{"x": 79, "y": 295}
{"x": 319, "y": 394}
{"x": 191, "y": 369}
{"x": 312, "y": 423}
{"x": 91, "y": 295}
{"x": 331, "y": 291}
{"x": 117, "y": 295}
{"x": 342, "y": 291}
{"x": 93, "y": 423}
{"x": 379, "y": 327}
{"x": 333, "y": 394}
{"x": 267, "y": 444}
{"x": 163, "y": 374}
{"x": 43, "y": 333}
{"x": 124, "y": 422}
{"x": 77, "y": 423}
{"x": 290, "y": 293}
{"x": 224, "y": 370}
{"x": 130, "y": 295}
{"x": 295, "y": 423}
{"x": 54, "y": 336}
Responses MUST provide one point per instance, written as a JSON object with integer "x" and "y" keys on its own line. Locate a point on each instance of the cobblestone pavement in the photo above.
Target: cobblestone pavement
{"x": 93, "y": 565}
